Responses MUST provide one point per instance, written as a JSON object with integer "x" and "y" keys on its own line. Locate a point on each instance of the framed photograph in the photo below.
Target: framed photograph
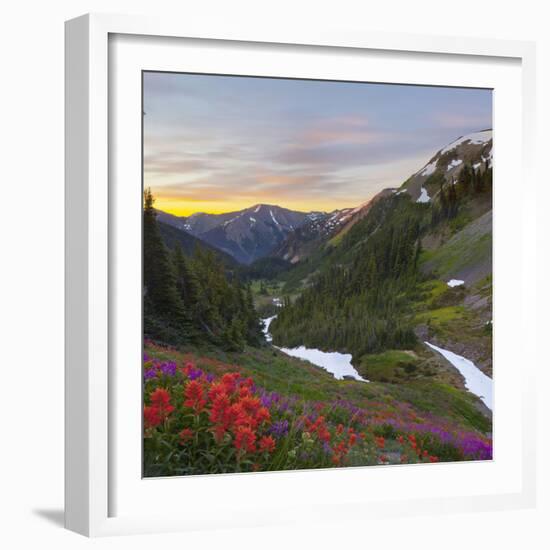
{"x": 293, "y": 287}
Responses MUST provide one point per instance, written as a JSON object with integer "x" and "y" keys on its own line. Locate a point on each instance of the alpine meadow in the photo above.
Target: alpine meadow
{"x": 317, "y": 274}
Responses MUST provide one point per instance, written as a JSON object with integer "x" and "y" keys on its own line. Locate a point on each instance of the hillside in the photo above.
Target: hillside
{"x": 189, "y": 244}
{"x": 417, "y": 264}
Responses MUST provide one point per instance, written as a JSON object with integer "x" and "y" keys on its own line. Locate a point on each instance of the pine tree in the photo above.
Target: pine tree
{"x": 158, "y": 273}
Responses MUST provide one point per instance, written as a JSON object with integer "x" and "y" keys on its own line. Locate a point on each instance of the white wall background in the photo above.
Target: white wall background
{"x": 31, "y": 266}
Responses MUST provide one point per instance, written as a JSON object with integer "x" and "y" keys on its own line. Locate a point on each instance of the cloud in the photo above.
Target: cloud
{"x": 462, "y": 121}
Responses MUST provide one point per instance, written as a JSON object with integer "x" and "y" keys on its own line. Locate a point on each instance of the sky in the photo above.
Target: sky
{"x": 223, "y": 143}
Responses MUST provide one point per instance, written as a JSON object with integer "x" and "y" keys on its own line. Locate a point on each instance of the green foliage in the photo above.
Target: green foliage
{"x": 359, "y": 300}
{"x": 265, "y": 268}
{"x": 192, "y": 299}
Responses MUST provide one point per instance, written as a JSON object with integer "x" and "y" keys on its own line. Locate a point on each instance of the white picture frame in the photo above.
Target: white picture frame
{"x": 92, "y": 230}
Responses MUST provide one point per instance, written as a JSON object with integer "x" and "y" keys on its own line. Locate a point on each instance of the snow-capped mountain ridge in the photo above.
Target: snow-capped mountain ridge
{"x": 473, "y": 149}
{"x": 246, "y": 234}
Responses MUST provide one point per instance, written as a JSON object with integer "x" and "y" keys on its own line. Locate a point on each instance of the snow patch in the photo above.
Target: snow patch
{"x": 455, "y": 282}
{"x": 253, "y": 220}
{"x": 454, "y": 163}
{"x": 476, "y": 138}
{"x": 257, "y": 208}
{"x": 338, "y": 364}
{"x": 476, "y": 381}
{"x": 429, "y": 169}
{"x": 273, "y": 218}
{"x": 424, "y": 197}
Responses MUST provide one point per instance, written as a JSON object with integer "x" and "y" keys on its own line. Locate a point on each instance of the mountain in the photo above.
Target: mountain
{"x": 307, "y": 238}
{"x": 474, "y": 149}
{"x": 171, "y": 235}
{"x": 415, "y": 265}
{"x": 323, "y": 230}
{"x": 247, "y": 234}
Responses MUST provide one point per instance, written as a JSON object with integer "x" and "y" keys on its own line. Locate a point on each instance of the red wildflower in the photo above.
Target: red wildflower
{"x": 219, "y": 406}
{"x": 263, "y": 415}
{"x": 194, "y": 396}
{"x": 216, "y": 390}
{"x": 267, "y": 444}
{"x": 434, "y": 459}
{"x": 185, "y": 435}
{"x": 250, "y": 405}
{"x": 380, "y": 442}
{"x": 352, "y": 439}
{"x": 151, "y": 417}
{"x": 340, "y": 448}
{"x": 248, "y": 382}
{"x": 245, "y": 439}
{"x": 244, "y": 391}
{"x": 219, "y": 432}
{"x": 229, "y": 380}
{"x": 160, "y": 400}
{"x": 324, "y": 434}
{"x": 339, "y": 429}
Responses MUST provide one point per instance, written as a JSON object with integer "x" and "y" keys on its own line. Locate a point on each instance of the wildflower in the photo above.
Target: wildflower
{"x": 151, "y": 417}
{"x": 219, "y": 406}
{"x": 245, "y": 438}
{"x": 267, "y": 444}
{"x": 248, "y": 382}
{"x": 191, "y": 372}
{"x": 229, "y": 380}
{"x": 160, "y": 399}
{"x": 216, "y": 389}
{"x": 185, "y": 435}
{"x": 323, "y": 434}
{"x": 150, "y": 373}
{"x": 339, "y": 429}
{"x": 169, "y": 368}
{"x": 219, "y": 433}
{"x": 352, "y": 439}
{"x": 279, "y": 429}
{"x": 250, "y": 405}
{"x": 263, "y": 415}
{"x": 244, "y": 391}
{"x": 380, "y": 442}
{"x": 194, "y": 397}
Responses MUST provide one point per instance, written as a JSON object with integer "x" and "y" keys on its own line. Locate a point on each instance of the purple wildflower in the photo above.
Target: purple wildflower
{"x": 169, "y": 368}
{"x": 279, "y": 429}
{"x": 149, "y": 374}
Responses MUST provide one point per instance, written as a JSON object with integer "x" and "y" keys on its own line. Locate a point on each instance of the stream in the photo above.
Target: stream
{"x": 338, "y": 364}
